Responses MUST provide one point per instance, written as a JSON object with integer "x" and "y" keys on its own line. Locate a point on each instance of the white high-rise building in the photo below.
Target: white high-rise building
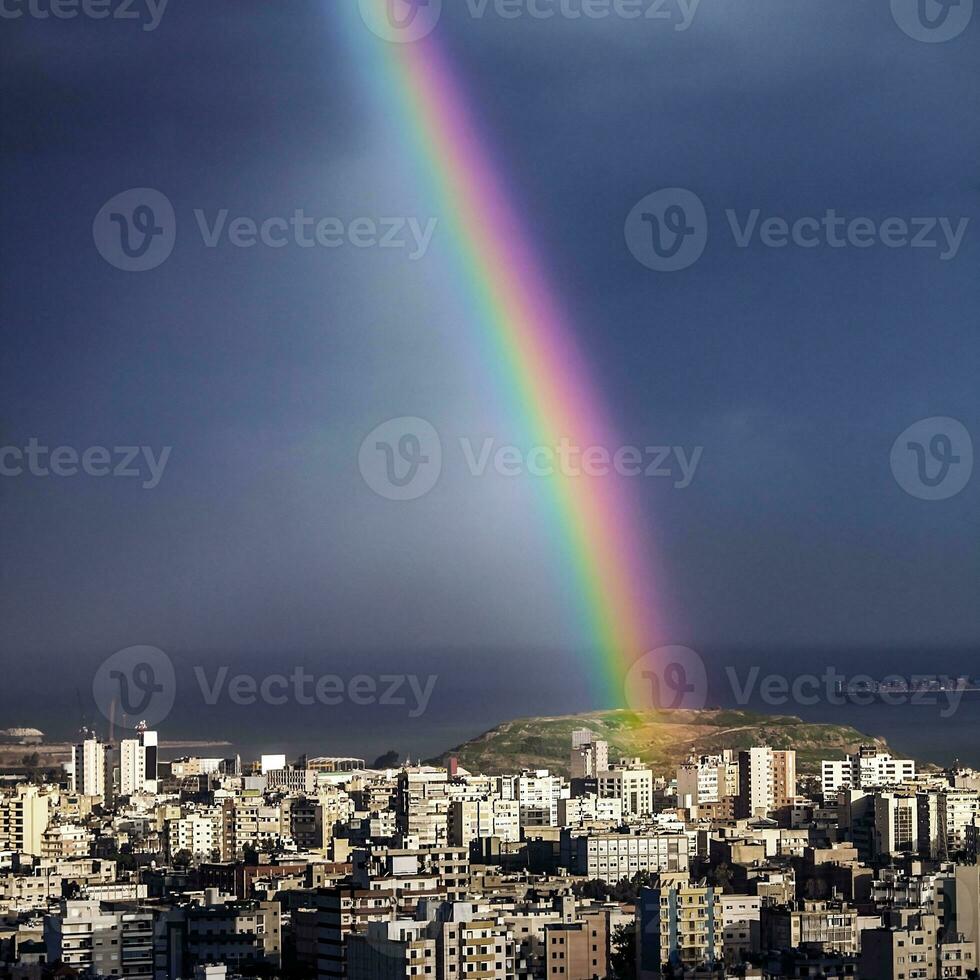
{"x": 198, "y": 832}
{"x": 756, "y": 781}
{"x": 632, "y": 783}
{"x": 538, "y": 793}
{"x": 580, "y": 810}
{"x": 138, "y": 764}
{"x": 90, "y": 767}
{"x": 865, "y": 769}
{"x": 766, "y": 780}
{"x": 490, "y": 816}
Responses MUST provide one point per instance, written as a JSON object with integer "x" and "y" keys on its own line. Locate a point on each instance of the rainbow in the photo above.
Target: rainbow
{"x": 541, "y": 373}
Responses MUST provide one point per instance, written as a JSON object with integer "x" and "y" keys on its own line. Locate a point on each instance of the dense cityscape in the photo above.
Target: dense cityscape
{"x": 487, "y": 490}
{"x": 128, "y": 865}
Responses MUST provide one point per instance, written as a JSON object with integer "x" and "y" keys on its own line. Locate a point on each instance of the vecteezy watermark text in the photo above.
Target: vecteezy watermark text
{"x": 136, "y": 230}
{"x": 330, "y": 690}
{"x": 676, "y": 677}
{"x": 680, "y": 13}
{"x": 304, "y": 231}
{"x": 126, "y": 462}
{"x": 148, "y": 12}
{"x": 668, "y": 230}
{"x": 834, "y": 687}
{"x": 405, "y": 21}
{"x": 402, "y": 459}
{"x": 567, "y": 459}
{"x": 139, "y": 683}
{"x": 837, "y": 231}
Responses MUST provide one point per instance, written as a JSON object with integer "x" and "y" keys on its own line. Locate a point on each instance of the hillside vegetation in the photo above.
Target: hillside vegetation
{"x": 661, "y": 739}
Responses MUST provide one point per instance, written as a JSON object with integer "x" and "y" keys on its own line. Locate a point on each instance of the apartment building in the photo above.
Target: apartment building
{"x": 827, "y": 926}
{"x": 679, "y": 925}
{"x": 740, "y": 923}
{"x": 707, "y": 779}
{"x": 90, "y": 768}
{"x": 471, "y": 943}
{"x": 391, "y": 951}
{"x": 589, "y": 756}
{"x": 784, "y": 778}
{"x": 577, "y": 950}
{"x": 869, "y": 767}
{"x": 958, "y": 901}
{"x": 92, "y": 938}
{"x": 198, "y": 832}
{"x": 30, "y": 891}
{"x": 907, "y": 950}
{"x": 243, "y": 935}
{"x": 342, "y": 912}
{"x": 943, "y": 818}
{"x": 630, "y": 782}
{"x": 24, "y": 817}
{"x": 896, "y": 824}
{"x": 579, "y": 810}
{"x": 310, "y": 823}
{"x": 65, "y": 841}
{"x": 138, "y": 763}
{"x": 611, "y": 857}
{"x": 537, "y": 792}
{"x": 491, "y": 816}
{"x": 766, "y": 780}
{"x": 291, "y": 780}
{"x": 249, "y": 823}
{"x": 423, "y": 805}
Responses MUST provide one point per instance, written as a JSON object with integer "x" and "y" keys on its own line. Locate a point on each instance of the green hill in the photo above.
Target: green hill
{"x": 662, "y": 739}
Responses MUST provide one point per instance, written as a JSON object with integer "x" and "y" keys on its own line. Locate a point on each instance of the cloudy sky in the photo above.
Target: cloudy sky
{"x": 794, "y": 369}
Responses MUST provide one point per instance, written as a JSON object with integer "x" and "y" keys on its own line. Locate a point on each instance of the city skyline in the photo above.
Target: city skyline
{"x": 487, "y": 490}
{"x": 776, "y": 379}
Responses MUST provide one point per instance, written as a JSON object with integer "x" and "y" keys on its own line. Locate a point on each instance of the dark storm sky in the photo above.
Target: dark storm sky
{"x": 795, "y": 369}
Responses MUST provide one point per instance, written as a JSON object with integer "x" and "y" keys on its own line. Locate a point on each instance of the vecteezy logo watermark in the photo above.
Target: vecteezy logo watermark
{"x": 403, "y": 458}
{"x": 668, "y": 230}
{"x": 136, "y": 231}
{"x": 305, "y": 689}
{"x": 933, "y": 459}
{"x": 402, "y": 21}
{"x": 98, "y": 461}
{"x": 136, "y": 684}
{"x": 148, "y": 12}
{"x": 932, "y": 21}
{"x": 667, "y": 679}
